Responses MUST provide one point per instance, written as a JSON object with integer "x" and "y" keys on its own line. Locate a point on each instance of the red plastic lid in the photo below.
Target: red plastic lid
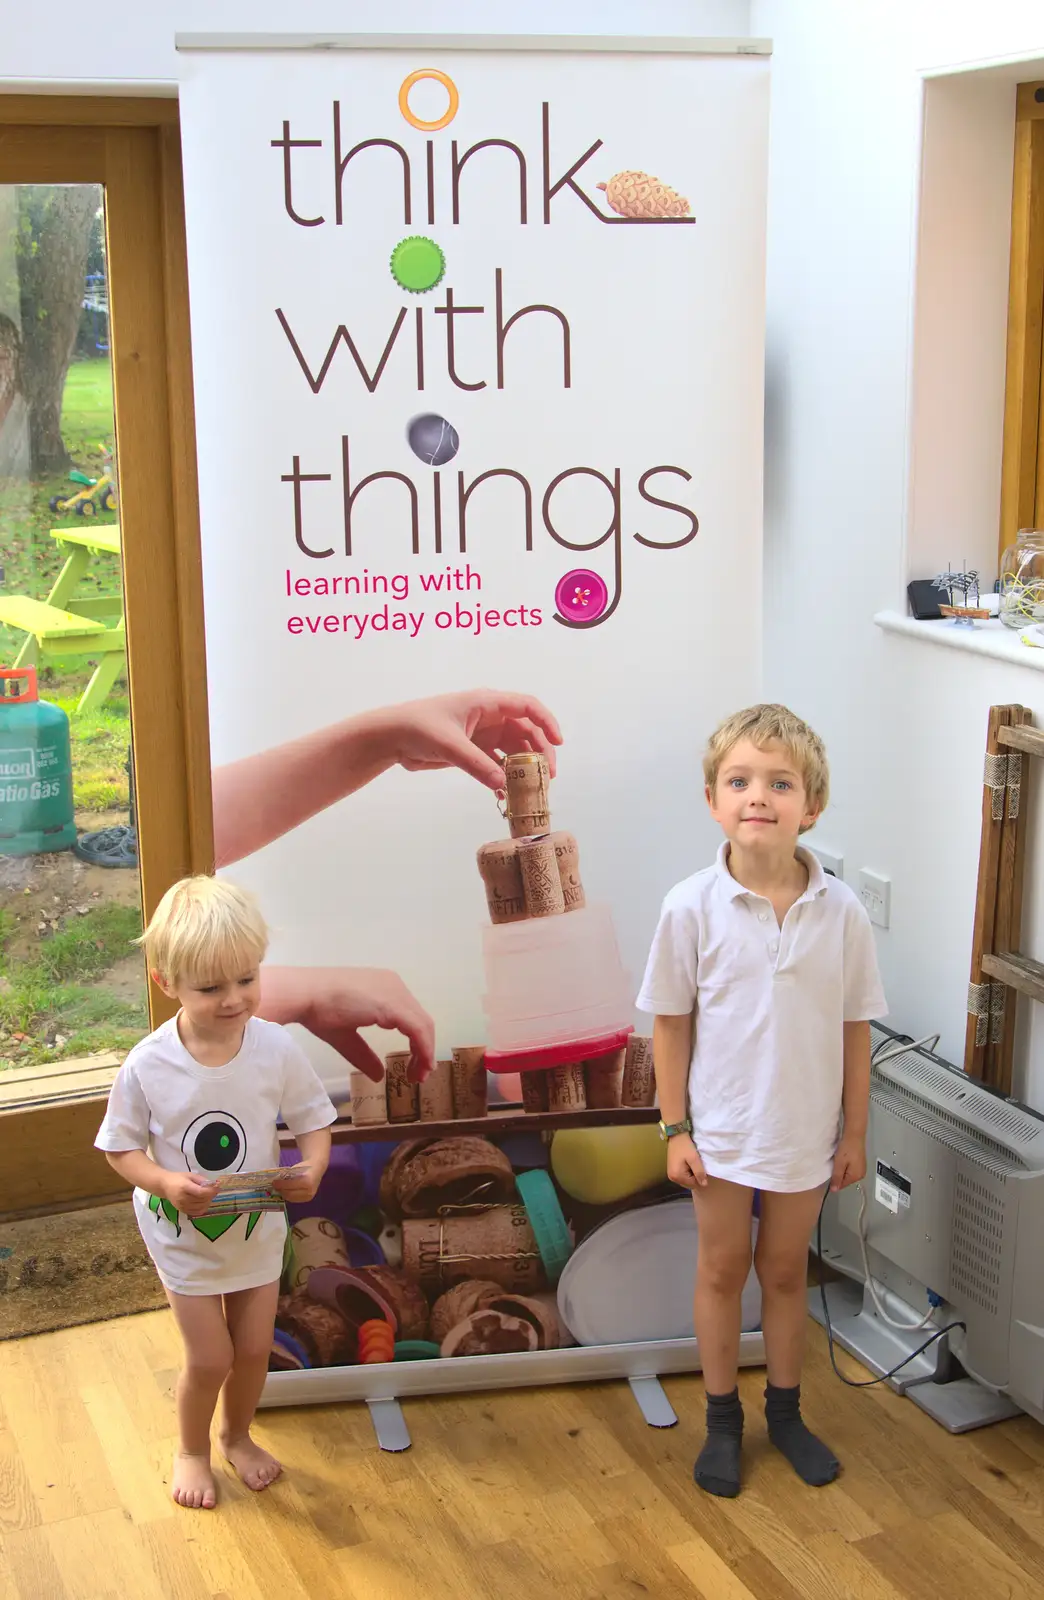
{"x": 18, "y": 686}
{"x": 556, "y": 1055}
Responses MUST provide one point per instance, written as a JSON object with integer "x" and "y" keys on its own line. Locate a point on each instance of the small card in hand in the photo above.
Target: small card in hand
{"x": 251, "y": 1191}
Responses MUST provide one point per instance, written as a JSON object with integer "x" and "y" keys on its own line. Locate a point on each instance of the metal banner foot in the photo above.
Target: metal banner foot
{"x": 389, "y": 1424}
{"x": 653, "y": 1402}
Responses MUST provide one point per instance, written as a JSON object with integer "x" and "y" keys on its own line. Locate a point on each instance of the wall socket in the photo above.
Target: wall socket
{"x": 876, "y": 894}
{"x": 829, "y": 860}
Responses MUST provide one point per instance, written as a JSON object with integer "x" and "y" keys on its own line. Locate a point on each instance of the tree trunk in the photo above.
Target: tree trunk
{"x": 54, "y": 235}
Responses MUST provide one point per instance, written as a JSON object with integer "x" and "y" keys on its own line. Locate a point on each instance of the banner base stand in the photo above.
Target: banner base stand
{"x": 384, "y": 1386}
{"x": 389, "y": 1425}
{"x": 653, "y": 1403}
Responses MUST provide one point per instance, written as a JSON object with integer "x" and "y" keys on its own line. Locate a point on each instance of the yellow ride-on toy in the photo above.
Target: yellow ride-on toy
{"x": 94, "y": 495}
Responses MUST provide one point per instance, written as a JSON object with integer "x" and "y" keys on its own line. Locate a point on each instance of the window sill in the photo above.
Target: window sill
{"x": 990, "y": 638}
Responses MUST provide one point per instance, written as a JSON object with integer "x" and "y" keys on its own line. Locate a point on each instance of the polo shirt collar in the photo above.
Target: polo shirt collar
{"x": 734, "y": 890}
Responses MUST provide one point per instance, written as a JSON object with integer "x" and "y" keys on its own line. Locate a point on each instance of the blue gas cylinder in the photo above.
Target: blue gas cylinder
{"x": 36, "y": 794}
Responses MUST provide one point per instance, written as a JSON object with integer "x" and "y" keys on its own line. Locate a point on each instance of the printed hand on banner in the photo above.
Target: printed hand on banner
{"x": 335, "y": 1002}
{"x": 472, "y": 730}
{"x": 264, "y": 796}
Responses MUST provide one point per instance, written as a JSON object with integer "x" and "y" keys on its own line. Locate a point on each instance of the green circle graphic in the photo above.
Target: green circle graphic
{"x": 417, "y": 264}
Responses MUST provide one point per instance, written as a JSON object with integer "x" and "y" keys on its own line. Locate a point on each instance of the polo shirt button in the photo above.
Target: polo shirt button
{"x": 762, "y": 916}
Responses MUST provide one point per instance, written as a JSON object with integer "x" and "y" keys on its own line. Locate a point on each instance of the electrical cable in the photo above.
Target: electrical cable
{"x": 866, "y": 1383}
{"x": 883, "y": 1313}
{"x": 888, "y": 1052}
{"x": 994, "y": 1388}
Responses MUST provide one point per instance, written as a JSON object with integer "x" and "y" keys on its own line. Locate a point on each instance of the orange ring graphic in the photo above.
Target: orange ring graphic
{"x": 450, "y": 88}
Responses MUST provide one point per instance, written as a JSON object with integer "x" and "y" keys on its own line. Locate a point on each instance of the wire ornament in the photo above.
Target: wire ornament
{"x": 962, "y": 596}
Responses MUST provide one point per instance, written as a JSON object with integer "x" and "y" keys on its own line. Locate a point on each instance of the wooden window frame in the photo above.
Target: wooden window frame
{"x": 1022, "y": 472}
{"x": 133, "y": 148}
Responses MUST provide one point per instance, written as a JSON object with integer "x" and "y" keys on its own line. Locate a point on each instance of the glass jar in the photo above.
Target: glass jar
{"x": 1022, "y": 579}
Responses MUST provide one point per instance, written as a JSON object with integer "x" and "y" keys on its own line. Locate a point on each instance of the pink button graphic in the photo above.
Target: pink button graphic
{"x": 581, "y": 596}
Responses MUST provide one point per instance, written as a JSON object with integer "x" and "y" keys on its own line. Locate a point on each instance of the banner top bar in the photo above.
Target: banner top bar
{"x": 582, "y": 42}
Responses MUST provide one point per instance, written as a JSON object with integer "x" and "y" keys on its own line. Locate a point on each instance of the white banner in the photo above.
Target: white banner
{"x": 478, "y": 346}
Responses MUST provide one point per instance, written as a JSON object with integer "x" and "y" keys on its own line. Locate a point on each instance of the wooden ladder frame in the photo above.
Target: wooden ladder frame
{"x": 999, "y": 971}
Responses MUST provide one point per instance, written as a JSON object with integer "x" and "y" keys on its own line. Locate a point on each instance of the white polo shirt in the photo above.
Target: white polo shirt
{"x": 766, "y": 1077}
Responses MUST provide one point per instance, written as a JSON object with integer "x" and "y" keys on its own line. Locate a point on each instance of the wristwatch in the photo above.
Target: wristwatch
{"x": 669, "y": 1129}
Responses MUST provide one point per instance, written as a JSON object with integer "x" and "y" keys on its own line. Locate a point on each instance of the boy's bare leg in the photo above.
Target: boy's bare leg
{"x": 723, "y": 1264}
{"x": 781, "y": 1259}
{"x": 208, "y": 1358}
{"x": 250, "y": 1314}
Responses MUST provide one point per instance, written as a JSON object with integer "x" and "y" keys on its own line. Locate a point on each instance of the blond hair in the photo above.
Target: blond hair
{"x": 205, "y": 929}
{"x": 764, "y": 725}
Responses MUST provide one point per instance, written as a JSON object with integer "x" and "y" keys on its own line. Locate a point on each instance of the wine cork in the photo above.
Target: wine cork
{"x": 501, "y": 874}
{"x": 567, "y": 854}
{"x": 469, "y": 1081}
{"x": 490, "y": 1333}
{"x": 498, "y": 1245}
{"x": 540, "y": 880}
{"x": 534, "y": 1091}
{"x": 604, "y": 1077}
{"x": 639, "y": 1082}
{"x": 436, "y": 1094}
{"x": 369, "y": 1100}
{"x": 321, "y": 1330}
{"x": 565, "y": 1088}
{"x": 315, "y": 1242}
{"x": 403, "y": 1099}
{"x": 461, "y": 1172}
{"x": 528, "y": 811}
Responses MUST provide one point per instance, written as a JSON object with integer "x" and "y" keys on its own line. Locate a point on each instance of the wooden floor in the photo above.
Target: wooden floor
{"x": 563, "y": 1493}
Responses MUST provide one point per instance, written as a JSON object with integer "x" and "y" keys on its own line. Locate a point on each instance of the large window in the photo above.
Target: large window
{"x": 100, "y": 613}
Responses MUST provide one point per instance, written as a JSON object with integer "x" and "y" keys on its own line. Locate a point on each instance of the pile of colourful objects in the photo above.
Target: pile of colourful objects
{"x": 444, "y": 1251}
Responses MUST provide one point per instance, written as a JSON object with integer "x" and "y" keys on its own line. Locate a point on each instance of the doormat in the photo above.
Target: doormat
{"x": 72, "y": 1268}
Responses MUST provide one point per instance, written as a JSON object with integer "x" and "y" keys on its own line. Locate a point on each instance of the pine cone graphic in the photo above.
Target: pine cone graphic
{"x": 636, "y": 194}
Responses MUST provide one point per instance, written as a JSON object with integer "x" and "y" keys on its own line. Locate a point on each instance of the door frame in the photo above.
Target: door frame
{"x": 132, "y": 146}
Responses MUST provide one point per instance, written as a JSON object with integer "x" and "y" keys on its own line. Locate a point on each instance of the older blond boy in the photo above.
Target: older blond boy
{"x": 762, "y": 979}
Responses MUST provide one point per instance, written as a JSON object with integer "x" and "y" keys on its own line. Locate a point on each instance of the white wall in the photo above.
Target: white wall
{"x": 905, "y": 721}
{"x": 132, "y": 41}
{"x": 960, "y": 322}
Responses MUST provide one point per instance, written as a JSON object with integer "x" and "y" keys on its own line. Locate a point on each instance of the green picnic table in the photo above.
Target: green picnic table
{"x": 64, "y": 626}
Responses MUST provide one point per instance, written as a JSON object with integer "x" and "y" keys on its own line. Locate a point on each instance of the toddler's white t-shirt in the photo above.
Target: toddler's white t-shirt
{"x": 213, "y": 1120}
{"x": 768, "y": 1004}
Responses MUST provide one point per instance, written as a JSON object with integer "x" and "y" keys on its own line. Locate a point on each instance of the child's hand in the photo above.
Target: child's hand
{"x": 189, "y": 1192}
{"x": 301, "y": 1187}
{"x": 849, "y": 1163}
{"x": 683, "y": 1163}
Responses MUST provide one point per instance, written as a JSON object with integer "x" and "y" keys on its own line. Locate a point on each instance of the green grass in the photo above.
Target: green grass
{"x": 50, "y": 993}
{"x": 46, "y": 995}
{"x": 87, "y": 408}
{"x": 100, "y": 747}
{"x": 32, "y": 560}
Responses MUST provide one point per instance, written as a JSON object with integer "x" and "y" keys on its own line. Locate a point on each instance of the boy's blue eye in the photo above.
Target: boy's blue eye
{"x": 781, "y": 783}
{"x": 737, "y": 783}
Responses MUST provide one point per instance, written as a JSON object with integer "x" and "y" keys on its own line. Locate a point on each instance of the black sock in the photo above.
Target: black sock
{"x": 808, "y": 1455}
{"x": 717, "y": 1467}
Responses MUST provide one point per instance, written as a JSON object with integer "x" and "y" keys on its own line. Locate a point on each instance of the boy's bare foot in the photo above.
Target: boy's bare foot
{"x": 255, "y": 1466}
{"x": 192, "y": 1483}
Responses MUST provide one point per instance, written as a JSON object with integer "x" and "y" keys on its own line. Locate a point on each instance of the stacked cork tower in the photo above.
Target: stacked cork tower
{"x": 558, "y": 1004}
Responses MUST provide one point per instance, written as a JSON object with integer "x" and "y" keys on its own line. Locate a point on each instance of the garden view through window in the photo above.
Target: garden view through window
{"x": 72, "y": 980}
